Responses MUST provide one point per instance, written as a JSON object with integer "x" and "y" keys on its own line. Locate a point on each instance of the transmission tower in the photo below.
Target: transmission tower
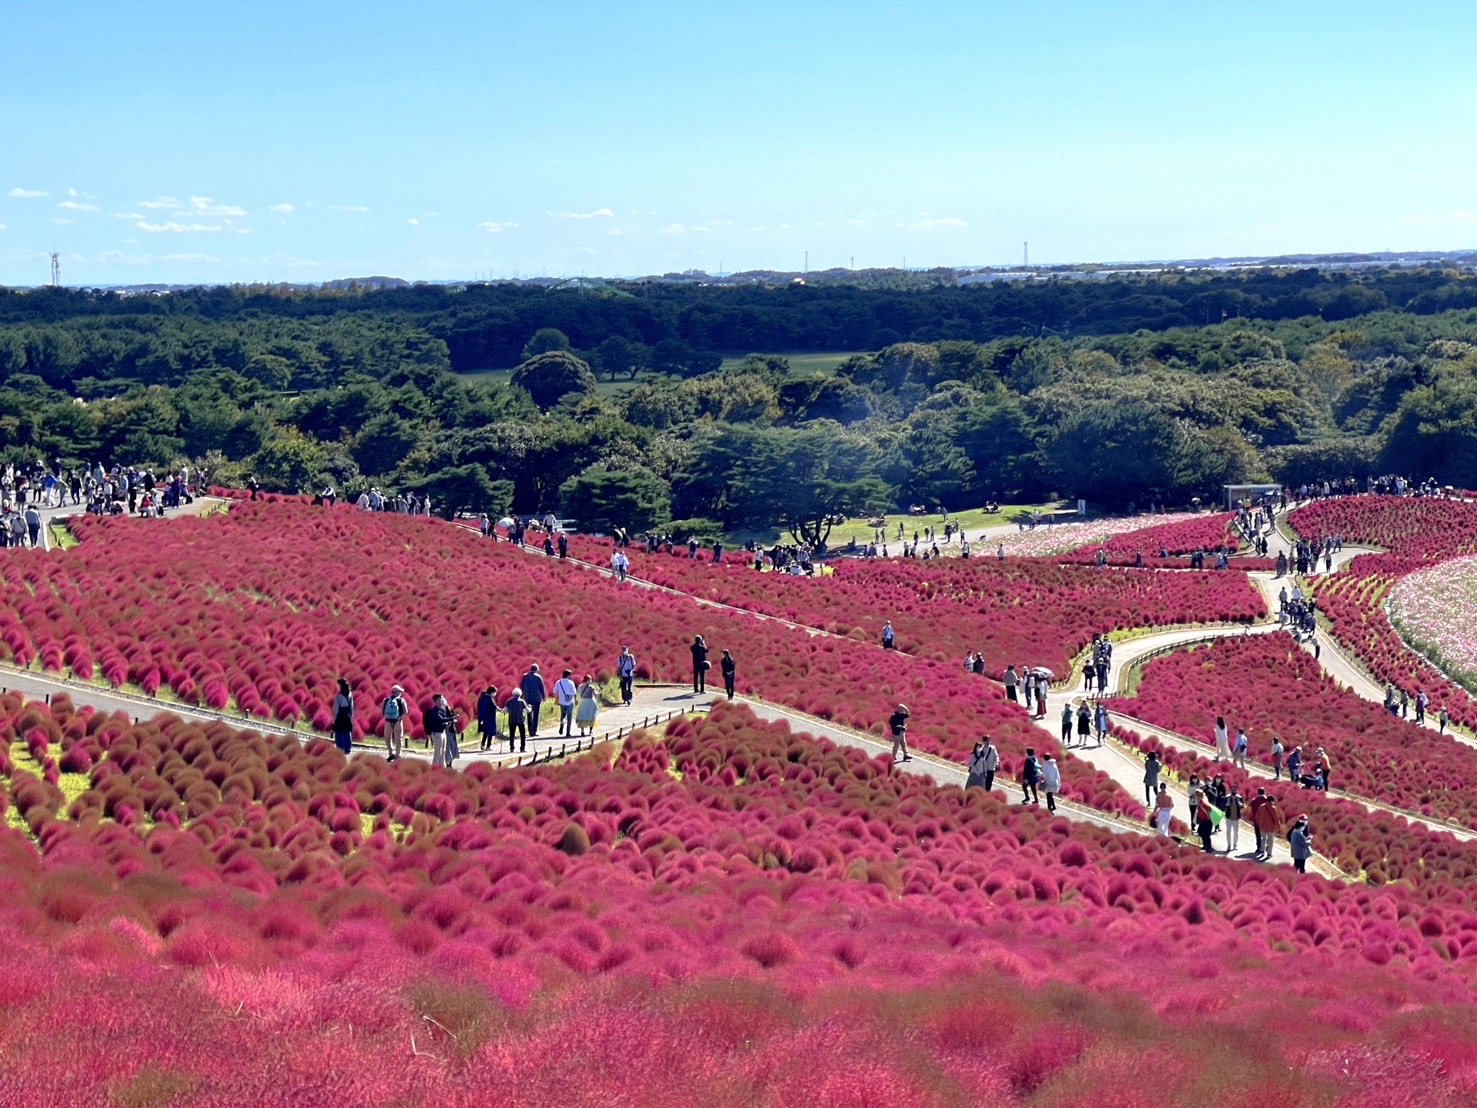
{"x": 56, "y": 269}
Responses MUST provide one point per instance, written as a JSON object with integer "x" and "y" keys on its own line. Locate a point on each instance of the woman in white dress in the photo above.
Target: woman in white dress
{"x": 589, "y": 705}
{"x": 1222, "y": 740}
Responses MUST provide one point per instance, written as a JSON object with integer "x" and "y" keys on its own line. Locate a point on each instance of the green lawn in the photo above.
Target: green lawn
{"x": 801, "y": 364}
{"x": 972, "y": 521}
{"x": 603, "y": 387}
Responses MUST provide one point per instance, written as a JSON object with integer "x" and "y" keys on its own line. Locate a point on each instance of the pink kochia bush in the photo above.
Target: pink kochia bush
{"x": 737, "y": 902}
{"x": 265, "y": 606}
{"x": 1417, "y": 534}
{"x": 1030, "y": 611}
{"x": 1270, "y": 686}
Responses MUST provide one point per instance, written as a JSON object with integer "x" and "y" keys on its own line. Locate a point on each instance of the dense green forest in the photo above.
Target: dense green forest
{"x": 621, "y": 409}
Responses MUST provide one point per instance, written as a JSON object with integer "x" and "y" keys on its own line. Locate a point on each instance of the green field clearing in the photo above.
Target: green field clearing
{"x": 802, "y": 364}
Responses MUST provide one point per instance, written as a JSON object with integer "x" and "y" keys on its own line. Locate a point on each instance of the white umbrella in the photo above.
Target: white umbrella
{"x": 1040, "y": 671}
{"x": 506, "y": 521}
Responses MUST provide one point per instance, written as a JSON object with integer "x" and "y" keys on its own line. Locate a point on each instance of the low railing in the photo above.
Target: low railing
{"x": 589, "y": 742}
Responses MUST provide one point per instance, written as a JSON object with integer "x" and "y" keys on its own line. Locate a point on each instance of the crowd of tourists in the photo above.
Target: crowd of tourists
{"x": 27, "y": 491}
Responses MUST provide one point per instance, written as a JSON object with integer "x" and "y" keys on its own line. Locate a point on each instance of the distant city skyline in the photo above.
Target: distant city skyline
{"x": 176, "y": 143}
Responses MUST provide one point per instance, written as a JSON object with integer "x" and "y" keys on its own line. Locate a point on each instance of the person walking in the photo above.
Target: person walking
{"x": 1222, "y": 740}
{"x": 1012, "y": 682}
{"x": 1238, "y": 751}
{"x": 534, "y": 693}
{"x": 565, "y": 693}
{"x": 625, "y": 669}
{"x": 1269, "y": 826}
{"x": 1325, "y": 767}
{"x": 1277, "y": 752}
{"x": 1100, "y": 722}
{"x": 984, "y": 760}
{"x": 700, "y": 665}
{"x": 440, "y": 722}
{"x": 1442, "y": 719}
{"x": 1235, "y": 805}
{"x": 729, "y": 668}
{"x": 1300, "y": 842}
{"x": 1200, "y": 802}
{"x": 897, "y": 723}
{"x": 1084, "y": 722}
{"x": 33, "y": 525}
{"x": 589, "y": 706}
{"x": 343, "y": 717}
{"x": 619, "y": 564}
{"x": 1163, "y": 809}
{"x": 1067, "y": 717}
{"x": 517, "y": 712}
{"x": 393, "y": 710}
{"x": 487, "y": 716}
{"x": 1030, "y": 778}
{"x": 975, "y": 777}
{"x": 888, "y": 635}
{"x": 1151, "y": 777}
{"x": 1051, "y": 781}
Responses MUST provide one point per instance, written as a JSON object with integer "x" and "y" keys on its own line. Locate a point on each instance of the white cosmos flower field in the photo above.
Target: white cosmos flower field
{"x": 1062, "y": 537}
{"x": 1432, "y": 611}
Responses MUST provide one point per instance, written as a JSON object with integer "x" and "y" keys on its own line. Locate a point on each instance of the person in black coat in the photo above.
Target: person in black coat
{"x": 700, "y": 664}
{"x": 487, "y": 716}
{"x": 728, "y": 667}
{"x": 533, "y": 694}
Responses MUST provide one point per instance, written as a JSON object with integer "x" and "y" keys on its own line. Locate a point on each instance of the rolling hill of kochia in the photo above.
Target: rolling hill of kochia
{"x": 722, "y": 909}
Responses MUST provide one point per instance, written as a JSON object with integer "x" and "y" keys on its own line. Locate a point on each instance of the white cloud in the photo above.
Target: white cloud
{"x": 74, "y": 206}
{"x": 856, "y": 222}
{"x": 282, "y": 209}
{"x": 28, "y": 194}
{"x": 176, "y": 228}
{"x": 493, "y": 227}
{"x": 348, "y": 207}
{"x": 167, "y": 202}
{"x": 205, "y": 205}
{"x": 587, "y": 250}
{"x": 413, "y": 221}
{"x": 598, "y": 213}
{"x": 63, "y": 222}
{"x": 433, "y": 215}
{"x": 673, "y": 229}
{"x": 127, "y": 215}
{"x": 71, "y": 192}
{"x": 2, "y": 226}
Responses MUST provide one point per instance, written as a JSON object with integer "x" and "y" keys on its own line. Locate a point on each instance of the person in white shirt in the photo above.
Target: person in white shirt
{"x": 564, "y": 695}
{"x": 619, "y": 563}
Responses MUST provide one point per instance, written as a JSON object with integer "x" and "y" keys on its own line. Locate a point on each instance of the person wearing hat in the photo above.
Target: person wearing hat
{"x": 393, "y": 710}
{"x": 897, "y": 723}
{"x": 1300, "y": 839}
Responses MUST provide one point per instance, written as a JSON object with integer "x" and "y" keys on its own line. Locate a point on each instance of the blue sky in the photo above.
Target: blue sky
{"x": 268, "y": 141}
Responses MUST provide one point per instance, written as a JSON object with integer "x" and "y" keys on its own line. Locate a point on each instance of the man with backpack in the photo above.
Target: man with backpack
{"x": 625, "y": 669}
{"x": 394, "y": 709}
{"x": 517, "y": 712}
